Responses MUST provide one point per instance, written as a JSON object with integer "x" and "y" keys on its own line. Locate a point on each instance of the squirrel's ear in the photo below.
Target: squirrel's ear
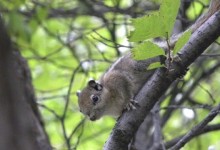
{"x": 98, "y": 87}
{"x": 92, "y": 83}
{"x": 78, "y": 93}
{"x": 95, "y": 85}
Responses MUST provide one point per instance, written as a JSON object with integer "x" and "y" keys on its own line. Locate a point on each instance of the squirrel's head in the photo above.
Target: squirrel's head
{"x": 90, "y": 102}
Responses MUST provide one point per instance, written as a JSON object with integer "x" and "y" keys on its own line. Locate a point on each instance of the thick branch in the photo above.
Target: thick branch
{"x": 20, "y": 126}
{"x": 129, "y": 122}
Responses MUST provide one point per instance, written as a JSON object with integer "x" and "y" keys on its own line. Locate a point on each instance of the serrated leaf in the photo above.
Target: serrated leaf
{"x": 167, "y": 13}
{"x": 146, "y": 27}
{"x": 182, "y": 41}
{"x": 158, "y": 24}
{"x": 155, "y": 65}
{"x": 146, "y": 50}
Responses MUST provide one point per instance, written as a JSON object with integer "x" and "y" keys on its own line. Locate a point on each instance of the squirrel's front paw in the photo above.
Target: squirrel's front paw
{"x": 132, "y": 105}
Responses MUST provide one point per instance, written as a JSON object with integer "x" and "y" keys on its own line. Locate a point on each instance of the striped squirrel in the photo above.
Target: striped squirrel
{"x": 115, "y": 90}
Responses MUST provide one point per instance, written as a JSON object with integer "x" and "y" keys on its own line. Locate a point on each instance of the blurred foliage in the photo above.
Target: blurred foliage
{"x": 67, "y": 42}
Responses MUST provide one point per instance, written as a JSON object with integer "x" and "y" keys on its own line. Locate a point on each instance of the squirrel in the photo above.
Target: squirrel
{"x": 115, "y": 90}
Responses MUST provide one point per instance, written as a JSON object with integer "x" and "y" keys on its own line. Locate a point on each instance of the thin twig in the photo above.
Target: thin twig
{"x": 195, "y": 130}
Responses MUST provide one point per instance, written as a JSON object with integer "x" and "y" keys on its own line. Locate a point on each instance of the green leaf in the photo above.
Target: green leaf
{"x": 195, "y": 9}
{"x": 146, "y": 50}
{"x": 158, "y": 24}
{"x": 12, "y": 5}
{"x": 18, "y": 27}
{"x": 155, "y": 65}
{"x": 182, "y": 41}
{"x": 42, "y": 12}
{"x": 167, "y": 13}
{"x": 33, "y": 24}
{"x": 146, "y": 27}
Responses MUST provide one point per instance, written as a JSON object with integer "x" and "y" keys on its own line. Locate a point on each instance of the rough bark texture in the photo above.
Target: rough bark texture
{"x": 129, "y": 122}
{"x": 21, "y": 127}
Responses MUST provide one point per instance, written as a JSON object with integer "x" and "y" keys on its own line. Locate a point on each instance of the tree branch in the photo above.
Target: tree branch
{"x": 197, "y": 129}
{"x": 155, "y": 87}
{"x": 206, "y": 129}
{"x": 20, "y": 124}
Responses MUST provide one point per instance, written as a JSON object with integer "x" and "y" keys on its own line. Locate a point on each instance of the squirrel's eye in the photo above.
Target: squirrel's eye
{"x": 94, "y": 99}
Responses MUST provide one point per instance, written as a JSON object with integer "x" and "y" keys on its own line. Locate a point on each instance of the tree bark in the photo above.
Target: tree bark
{"x": 130, "y": 121}
{"x": 21, "y": 127}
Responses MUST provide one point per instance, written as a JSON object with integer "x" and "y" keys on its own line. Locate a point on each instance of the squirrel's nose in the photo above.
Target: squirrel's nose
{"x": 92, "y": 118}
